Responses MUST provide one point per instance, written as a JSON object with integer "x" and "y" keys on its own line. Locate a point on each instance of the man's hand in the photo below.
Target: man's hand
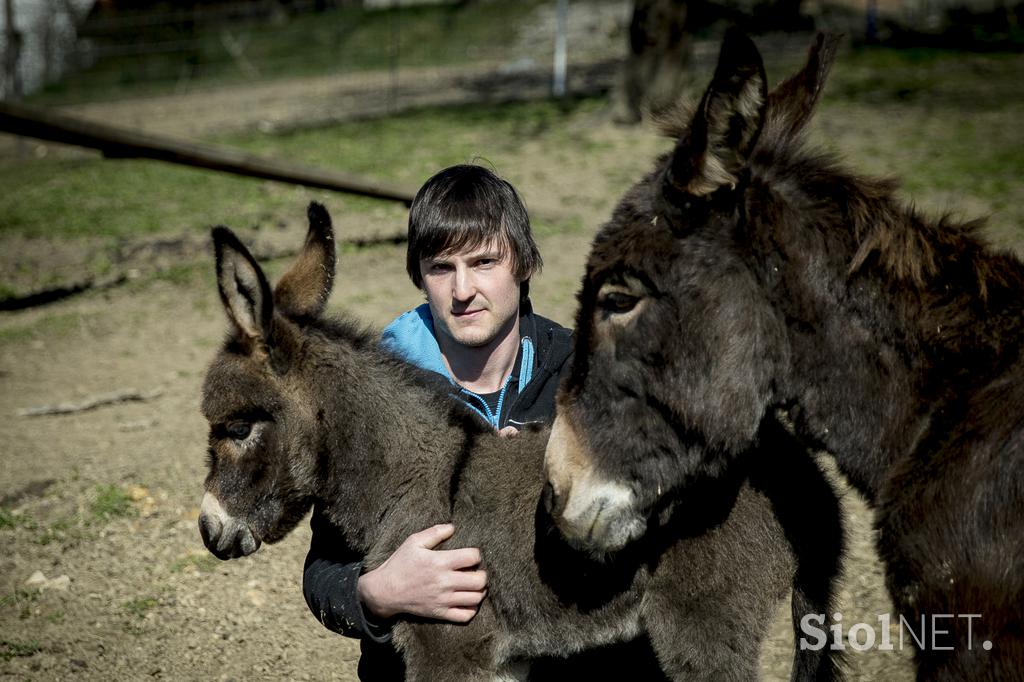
{"x": 509, "y": 432}
{"x": 422, "y": 581}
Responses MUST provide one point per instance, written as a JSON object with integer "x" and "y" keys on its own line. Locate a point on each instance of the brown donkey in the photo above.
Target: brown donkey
{"x": 305, "y": 409}
{"x": 749, "y": 272}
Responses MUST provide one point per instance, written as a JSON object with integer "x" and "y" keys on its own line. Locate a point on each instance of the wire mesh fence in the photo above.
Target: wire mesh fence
{"x": 383, "y": 55}
{"x": 388, "y": 52}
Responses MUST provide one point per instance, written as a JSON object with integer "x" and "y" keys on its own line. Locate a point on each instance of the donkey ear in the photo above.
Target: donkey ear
{"x": 792, "y": 102}
{"x": 713, "y": 152}
{"x": 243, "y": 288}
{"x": 303, "y": 290}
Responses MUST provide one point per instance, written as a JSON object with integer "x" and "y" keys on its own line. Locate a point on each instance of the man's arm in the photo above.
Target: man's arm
{"x": 423, "y": 581}
{"x": 330, "y": 582}
{"x": 416, "y": 579}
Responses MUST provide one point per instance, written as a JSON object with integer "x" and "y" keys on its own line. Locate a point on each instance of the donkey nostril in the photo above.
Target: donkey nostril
{"x": 209, "y": 529}
{"x": 554, "y": 503}
{"x": 249, "y": 543}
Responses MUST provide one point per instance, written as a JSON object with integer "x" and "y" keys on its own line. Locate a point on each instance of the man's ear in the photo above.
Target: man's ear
{"x": 303, "y": 290}
{"x": 243, "y": 289}
{"x": 714, "y": 150}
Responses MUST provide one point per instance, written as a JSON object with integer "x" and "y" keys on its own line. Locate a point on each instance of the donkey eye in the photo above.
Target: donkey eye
{"x": 238, "y": 430}
{"x": 617, "y": 302}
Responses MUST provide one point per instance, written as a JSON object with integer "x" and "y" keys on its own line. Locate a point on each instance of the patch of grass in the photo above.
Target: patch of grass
{"x": 140, "y": 606}
{"x": 94, "y": 197}
{"x": 184, "y": 273}
{"x": 410, "y": 146}
{"x": 7, "y": 519}
{"x": 56, "y": 325}
{"x": 102, "y": 198}
{"x": 204, "y": 563}
{"x": 12, "y": 649}
{"x": 940, "y": 78}
{"x": 19, "y": 597}
{"x": 20, "y": 601}
{"x": 543, "y": 228}
{"x": 111, "y": 502}
{"x": 57, "y": 531}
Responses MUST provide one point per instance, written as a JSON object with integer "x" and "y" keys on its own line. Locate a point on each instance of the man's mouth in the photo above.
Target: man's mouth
{"x": 467, "y": 313}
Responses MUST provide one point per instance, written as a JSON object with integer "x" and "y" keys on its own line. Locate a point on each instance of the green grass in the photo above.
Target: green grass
{"x": 98, "y": 198}
{"x": 204, "y": 563}
{"x": 13, "y": 649}
{"x": 341, "y": 40}
{"x": 55, "y": 325}
{"x": 20, "y": 601}
{"x": 7, "y": 520}
{"x": 937, "y": 78}
{"x": 140, "y": 606}
{"x": 19, "y": 597}
{"x": 59, "y": 531}
{"x": 110, "y": 502}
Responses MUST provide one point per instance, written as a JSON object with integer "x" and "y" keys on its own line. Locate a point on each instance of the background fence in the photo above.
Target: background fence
{"x": 85, "y": 50}
{"x": 385, "y": 49}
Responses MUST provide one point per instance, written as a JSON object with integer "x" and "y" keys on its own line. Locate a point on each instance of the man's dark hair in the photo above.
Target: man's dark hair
{"x": 464, "y": 207}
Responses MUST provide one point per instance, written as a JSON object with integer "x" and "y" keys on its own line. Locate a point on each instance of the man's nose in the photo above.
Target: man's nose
{"x": 464, "y": 286}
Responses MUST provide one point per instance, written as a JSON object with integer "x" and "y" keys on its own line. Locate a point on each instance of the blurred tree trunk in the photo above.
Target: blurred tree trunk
{"x": 12, "y": 54}
{"x": 660, "y": 47}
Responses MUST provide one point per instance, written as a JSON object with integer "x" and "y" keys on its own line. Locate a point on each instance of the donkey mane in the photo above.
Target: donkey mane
{"x": 908, "y": 244}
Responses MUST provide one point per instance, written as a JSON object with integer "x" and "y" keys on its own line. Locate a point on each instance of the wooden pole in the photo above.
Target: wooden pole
{"x": 120, "y": 143}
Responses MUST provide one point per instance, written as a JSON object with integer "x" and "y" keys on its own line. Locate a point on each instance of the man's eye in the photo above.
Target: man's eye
{"x": 238, "y": 430}
{"x": 617, "y": 302}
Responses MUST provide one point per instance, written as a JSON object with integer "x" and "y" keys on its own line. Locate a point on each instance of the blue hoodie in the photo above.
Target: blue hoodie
{"x": 411, "y": 337}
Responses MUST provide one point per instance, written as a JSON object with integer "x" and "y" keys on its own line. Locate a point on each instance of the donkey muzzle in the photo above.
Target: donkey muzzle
{"x": 225, "y": 536}
{"x": 591, "y": 512}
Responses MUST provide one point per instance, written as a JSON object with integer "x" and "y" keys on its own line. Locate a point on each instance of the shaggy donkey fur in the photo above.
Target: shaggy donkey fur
{"x": 305, "y": 409}
{"x": 749, "y": 273}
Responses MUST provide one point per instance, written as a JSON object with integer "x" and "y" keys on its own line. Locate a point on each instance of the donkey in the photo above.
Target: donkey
{"x": 749, "y": 273}
{"x": 306, "y": 409}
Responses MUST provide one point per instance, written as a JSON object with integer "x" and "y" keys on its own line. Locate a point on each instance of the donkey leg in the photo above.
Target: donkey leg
{"x": 813, "y": 524}
{"x": 707, "y": 644}
{"x": 711, "y": 602}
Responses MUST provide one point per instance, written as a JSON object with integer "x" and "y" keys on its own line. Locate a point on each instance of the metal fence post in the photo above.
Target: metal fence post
{"x": 562, "y": 28}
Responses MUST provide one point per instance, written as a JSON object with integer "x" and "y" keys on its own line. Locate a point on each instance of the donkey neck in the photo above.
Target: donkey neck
{"x": 893, "y": 322}
{"x": 392, "y": 446}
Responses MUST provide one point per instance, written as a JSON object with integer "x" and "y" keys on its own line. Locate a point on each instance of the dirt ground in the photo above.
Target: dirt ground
{"x": 108, "y": 497}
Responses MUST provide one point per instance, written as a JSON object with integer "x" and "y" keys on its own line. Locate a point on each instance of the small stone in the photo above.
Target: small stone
{"x": 256, "y": 598}
{"x": 37, "y": 579}
{"x": 61, "y": 583}
{"x": 137, "y": 492}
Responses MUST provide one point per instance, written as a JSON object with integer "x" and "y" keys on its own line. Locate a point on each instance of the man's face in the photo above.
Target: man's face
{"x": 473, "y": 294}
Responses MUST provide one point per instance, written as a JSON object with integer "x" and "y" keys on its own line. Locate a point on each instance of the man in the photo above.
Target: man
{"x": 471, "y": 251}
